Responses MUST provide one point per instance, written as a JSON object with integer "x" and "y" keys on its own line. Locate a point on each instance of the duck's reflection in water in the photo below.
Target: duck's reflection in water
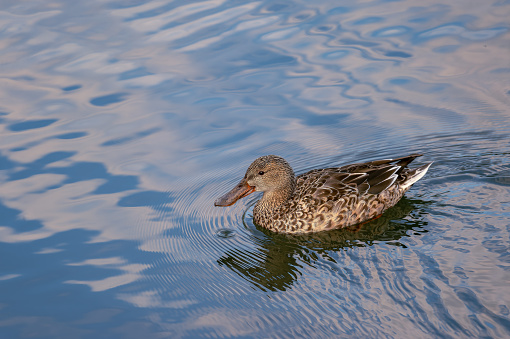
{"x": 278, "y": 259}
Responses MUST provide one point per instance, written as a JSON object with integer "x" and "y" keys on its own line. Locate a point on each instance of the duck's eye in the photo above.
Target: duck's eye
{"x": 261, "y": 173}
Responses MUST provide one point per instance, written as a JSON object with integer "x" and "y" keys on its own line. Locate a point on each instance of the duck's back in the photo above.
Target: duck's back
{"x": 332, "y": 198}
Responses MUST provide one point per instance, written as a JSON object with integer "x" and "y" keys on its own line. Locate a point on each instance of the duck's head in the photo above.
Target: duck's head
{"x": 267, "y": 174}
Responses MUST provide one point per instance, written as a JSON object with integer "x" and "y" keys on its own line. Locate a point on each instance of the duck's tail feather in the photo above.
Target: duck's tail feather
{"x": 414, "y": 175}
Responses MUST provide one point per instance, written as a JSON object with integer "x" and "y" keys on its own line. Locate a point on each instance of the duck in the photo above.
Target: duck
{"x": 323, "y": 199}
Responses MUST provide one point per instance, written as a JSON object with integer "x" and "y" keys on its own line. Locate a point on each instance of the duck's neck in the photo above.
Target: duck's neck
{"x": 272, "y": 200}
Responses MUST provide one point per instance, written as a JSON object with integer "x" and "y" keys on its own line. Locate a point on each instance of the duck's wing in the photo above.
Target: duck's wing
{"x": 370, "y": 180}
{"x": 331, "y": 184}
{"x": 364, "y": 167}
{"x": 364, "y": 178}
{"x": 382, "y": 174}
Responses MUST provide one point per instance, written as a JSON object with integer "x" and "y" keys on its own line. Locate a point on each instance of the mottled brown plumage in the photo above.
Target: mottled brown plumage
{"x": 323, "y": 199}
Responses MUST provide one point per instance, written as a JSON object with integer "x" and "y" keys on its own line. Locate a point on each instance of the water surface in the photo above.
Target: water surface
{"x": 121, "y": 122}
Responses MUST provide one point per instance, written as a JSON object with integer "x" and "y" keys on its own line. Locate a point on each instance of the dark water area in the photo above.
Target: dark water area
{"x": 122, "y": 121}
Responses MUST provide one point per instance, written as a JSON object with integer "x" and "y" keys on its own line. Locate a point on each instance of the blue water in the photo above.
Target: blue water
{"x": 122, "y": 121}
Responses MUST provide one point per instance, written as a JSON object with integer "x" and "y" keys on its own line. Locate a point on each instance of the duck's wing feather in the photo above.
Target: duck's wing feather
{"x": 371, "y": 177}
{"x": 402, "y": 162}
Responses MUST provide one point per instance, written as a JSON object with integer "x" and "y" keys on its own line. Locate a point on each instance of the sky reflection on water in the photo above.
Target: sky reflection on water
{"x": 122, "y": 122}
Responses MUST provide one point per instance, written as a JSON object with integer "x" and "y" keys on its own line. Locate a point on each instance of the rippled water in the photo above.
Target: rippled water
{"x": 121, "y": 122}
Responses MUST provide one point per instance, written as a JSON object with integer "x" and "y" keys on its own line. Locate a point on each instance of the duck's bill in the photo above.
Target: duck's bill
{"x": 240, "y": 191}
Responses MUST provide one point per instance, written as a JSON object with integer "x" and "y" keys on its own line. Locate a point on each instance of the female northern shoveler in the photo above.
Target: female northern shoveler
{"x": 323, "y": 199}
